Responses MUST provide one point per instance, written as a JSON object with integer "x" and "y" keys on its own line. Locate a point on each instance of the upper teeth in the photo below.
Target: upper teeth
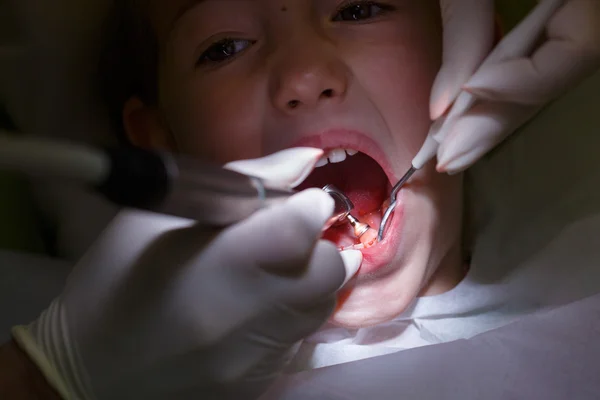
{"x": 335, "y": 156}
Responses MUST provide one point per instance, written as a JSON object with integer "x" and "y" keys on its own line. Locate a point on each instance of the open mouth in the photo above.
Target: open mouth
{"x": 366, "y": 184}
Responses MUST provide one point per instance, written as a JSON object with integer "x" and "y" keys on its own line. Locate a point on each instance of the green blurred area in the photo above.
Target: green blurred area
{"x": 513, "y": 11}
{"x": 19, "y": 227}
{"x": 18, "y": 217}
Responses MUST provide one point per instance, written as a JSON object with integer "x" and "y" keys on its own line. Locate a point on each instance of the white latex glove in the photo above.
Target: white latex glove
{"x": 510, "y": 92}
{"x": 161, "y": 308}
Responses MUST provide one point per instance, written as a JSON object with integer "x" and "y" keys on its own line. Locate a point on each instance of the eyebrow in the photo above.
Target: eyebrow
{"x": 184, "y": 9}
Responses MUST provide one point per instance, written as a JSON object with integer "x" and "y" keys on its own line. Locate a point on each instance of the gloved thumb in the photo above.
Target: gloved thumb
{"x": 534, "y": 81}
{"x": 287, "y": 168}
{"x": 567, "y": 56}
{"x": 468, "y": 38}
{"x": 477, "y": 132}
{"x": 293, "y": 229}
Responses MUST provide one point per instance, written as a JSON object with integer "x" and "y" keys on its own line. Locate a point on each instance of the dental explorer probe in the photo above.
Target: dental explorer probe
{"x": 158, "y": 182}
{"x": 520, "y": 42}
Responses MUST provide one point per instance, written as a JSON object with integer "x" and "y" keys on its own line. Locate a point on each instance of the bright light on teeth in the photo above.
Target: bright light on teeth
{"x": 335, "y": 156}
{"x": 354, "y": 247}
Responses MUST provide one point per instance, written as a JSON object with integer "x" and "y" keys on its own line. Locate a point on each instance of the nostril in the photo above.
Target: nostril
{"x": 325, "y": 94}
{"x": 328, "y": 93}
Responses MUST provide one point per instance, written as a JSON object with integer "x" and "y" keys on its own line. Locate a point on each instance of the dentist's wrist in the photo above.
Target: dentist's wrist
{"x": 48, "y": 344}
{"x": 20, "y": 378}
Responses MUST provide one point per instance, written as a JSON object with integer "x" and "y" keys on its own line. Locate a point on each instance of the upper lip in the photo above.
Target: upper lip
{"x": 348, "y": 139}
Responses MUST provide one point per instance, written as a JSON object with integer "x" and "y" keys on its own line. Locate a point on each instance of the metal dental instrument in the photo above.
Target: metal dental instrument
{"x": 360, "y": 228}
{"x": 343, "y": 206}
{"x": 519, "y": 43}
{"x": 393, "y": 199}
{"x": 342, "y": 212}
{"x": 151, "y": 181}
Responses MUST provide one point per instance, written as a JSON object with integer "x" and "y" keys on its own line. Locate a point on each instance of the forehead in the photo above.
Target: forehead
{"x": 164, "y": 14}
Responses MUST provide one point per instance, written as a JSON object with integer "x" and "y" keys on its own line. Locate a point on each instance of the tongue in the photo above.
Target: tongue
{"x": 359, "y": 177}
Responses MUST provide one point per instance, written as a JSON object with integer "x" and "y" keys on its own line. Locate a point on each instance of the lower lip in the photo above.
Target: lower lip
{"x": 380, "y": 256}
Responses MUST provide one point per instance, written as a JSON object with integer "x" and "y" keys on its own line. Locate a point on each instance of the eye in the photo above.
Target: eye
{"x": 360, "y": 11}
{"x": 223, "y": 50}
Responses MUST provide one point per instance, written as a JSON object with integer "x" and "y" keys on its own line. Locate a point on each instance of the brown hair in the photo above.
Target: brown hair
{"x": 128, "y": 64}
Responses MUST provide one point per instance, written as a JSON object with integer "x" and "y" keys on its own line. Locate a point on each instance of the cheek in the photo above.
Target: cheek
{"x": 439, "y": 200}
{"x": 220, "y": 121}
{"x": 399, "y": 82}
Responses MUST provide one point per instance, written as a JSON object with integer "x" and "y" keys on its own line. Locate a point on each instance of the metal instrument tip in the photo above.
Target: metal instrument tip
{"x": 393, "y": 198}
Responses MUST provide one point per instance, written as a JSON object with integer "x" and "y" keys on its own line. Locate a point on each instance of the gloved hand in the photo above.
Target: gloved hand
{"x": 163, "y": 309}
{"x": 510, "y": 92}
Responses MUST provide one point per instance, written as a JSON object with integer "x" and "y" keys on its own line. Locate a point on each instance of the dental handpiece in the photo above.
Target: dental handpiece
{"x": 519, "y": 43}
{"x": 157, "y": 182}
{"x": 193, "y": 189}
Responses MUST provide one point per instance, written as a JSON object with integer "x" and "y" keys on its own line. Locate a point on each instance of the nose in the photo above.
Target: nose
{"x": 308, "y": 79}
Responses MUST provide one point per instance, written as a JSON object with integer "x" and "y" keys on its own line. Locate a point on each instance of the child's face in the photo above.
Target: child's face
{"x": 242, "y": 79}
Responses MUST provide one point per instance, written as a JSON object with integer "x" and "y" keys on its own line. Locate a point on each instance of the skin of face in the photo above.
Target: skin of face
{"x": 323, "y": 73}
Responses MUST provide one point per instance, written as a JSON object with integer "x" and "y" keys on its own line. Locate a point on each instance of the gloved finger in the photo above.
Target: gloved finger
{"x": 284, "y": 234}
{"x": 272, "y": 257}
{"x": 296, "y": 309}
{"x": 264, "y": 346}
{"x": 571, "y": 53}
{"x": 295, "y": 314}
{"x": 287, "y": 168}
{"x": 468, "y": 38}
{"x": 242, "y": 269}
{"x": 477, "y": 132}
{"x": 293, "y": 324}
{"x": 326, "y": 272}
{"x": 520, "y": 42}
{"x": 281, "y": 241}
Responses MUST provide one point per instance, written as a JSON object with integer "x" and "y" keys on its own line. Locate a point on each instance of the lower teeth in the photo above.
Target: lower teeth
{"x": 374, "y": 218}
{"x": 355, "y": 247}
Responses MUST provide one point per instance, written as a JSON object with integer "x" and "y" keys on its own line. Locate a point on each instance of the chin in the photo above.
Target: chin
{"x": 373, "y": 303}
{"x": 384, "y": 292}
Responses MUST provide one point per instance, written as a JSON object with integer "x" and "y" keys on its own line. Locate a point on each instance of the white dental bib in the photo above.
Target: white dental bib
{"x": 466, "y": 310}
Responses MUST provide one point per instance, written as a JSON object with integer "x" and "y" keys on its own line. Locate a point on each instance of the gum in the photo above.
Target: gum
{"x": 369, "y": 239}
{"x": 373, "y": 219}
